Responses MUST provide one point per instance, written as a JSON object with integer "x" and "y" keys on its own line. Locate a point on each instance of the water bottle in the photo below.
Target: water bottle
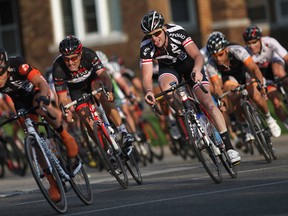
{"x": 218, "y": 139}
{"x": 204, "y": 122}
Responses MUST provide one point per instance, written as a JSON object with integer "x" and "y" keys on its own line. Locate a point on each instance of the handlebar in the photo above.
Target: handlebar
{"x": 174, "y": 86}
{"x": 83, "y": 98}
{"x": 240, "y": 88}
{"x": 25, "y": 112}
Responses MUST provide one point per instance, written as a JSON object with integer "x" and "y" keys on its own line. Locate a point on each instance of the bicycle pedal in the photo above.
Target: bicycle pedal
{"x": 236, "y": 163}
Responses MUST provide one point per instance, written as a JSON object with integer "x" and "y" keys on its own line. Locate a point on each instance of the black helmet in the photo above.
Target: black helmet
{"x": 216, "y": 42}
{"x": 151, "y": 21}
{"x": 252, "y": 32}
{"x": 70, "y": 45}
{"x": 4, "y": 60}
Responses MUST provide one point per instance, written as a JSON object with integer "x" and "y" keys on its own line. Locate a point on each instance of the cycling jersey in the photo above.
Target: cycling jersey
{"x": 80, "y": 80}
{"x": 18, "y": 85}
{"x": 271, "y": 51}
{"x": 172, "y": 59}
{"x": 237, "y": 56}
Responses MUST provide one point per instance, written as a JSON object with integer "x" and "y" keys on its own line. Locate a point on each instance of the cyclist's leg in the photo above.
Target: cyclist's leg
{"x": 68, "y": 140}
{"x": 113, "y": 114}
{"x": 262, "y": 105}
{"x": 217, "y": 117}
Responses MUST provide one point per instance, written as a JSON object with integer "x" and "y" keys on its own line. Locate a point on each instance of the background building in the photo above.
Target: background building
{"x": 34, "y": 29}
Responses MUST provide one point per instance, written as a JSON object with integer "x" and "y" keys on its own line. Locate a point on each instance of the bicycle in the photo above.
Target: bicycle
{"x": 148, "y": 142}
{"x": 46, "y": 155}
{"x": 11, "y": 156}
{"x": 204, "y": 137}
{"x": 256, "y": 121}
{"x": 108, "y": 145}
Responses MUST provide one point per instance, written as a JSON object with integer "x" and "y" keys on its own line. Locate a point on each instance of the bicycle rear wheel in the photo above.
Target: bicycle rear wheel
{"x": 258, "y": 130}
{"x": 112, "y": 159}
{"x": 36, "y": 157}
{"x": 225, "y": 159}
{"x": 203, "y": 149}
{"x": 79, "y": 180}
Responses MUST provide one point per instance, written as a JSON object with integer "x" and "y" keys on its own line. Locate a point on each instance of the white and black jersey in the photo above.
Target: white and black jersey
{"x": 175, "y": 53}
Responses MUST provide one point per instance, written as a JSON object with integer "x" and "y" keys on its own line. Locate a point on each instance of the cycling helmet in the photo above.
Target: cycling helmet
{"x": 252, "y": 32}
{"x": 70, "y": 45}
{"x": 151, "y": 21}
{"x": 216, "y": 42}
{"x": 4, "y": 61}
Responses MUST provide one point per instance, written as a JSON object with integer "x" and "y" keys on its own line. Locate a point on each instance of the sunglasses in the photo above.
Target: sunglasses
{"x": 219, "y": 54}
{"x": 73, "y": 58}
{"x": 155, "y": 34}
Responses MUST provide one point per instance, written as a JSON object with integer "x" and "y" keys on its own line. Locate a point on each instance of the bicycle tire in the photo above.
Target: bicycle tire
{"x": 31, "y": 146}
{"x": 256, "y": 125}
{"x": 116, "y": 169}
{"x": 80, "y": 181}
{"x": 203, "y": 150}
{"x": 225, "y": 159}
{"x": 153, "y": 139}
{"x": 133, "y": 167}
{"x": 17, "y": 160}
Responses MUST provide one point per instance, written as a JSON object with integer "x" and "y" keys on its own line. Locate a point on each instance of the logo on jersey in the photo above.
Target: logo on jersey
{"x": 177, "y": 35}
{"x": 24, "y": 69}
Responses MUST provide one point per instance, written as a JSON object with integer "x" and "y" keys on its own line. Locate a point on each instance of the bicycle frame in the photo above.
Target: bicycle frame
{"x": 30, "y": 128}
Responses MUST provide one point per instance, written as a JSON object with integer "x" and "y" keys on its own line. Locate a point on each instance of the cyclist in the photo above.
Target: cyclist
{"x": 121, "y": 88}
{"x": 270, "y": 57}
{"x": 79, "y": 71}
{"x": 27, "y": 87}
{"x": 236, "y": 67}
{"x": 178, "y": 57}
{"x": 129, "y": 74}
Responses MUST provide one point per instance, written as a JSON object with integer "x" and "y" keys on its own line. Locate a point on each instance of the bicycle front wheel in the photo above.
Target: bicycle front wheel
{"x": 132, "y": 166}
{"x": 257, "y": 129}
{"x": 79, "y": 179}
{"x": 111, "y": 157}
{"x": 225, "y": 159}
{"x": 204, "y": 151}
{"x": 40, "y": 171}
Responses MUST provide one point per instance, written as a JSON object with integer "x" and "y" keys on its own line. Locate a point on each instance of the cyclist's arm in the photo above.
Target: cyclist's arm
{"x": 147, "y": 73}
{"x": 105, "y": 78}
{"x": 195, "y": 54}
{"x": 217, "y": 85}
{"x": 123, "y": 85}
{"x": 39, "y": 81}
{"x": 254, "y": 69}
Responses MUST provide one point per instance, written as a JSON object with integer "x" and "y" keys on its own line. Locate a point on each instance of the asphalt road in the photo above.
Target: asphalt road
{"x": 170, "y": 187}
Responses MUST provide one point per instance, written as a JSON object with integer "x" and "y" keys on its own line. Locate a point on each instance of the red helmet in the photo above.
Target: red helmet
{"x": 252, "y": 32}
{"x": 70, "y": 45}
